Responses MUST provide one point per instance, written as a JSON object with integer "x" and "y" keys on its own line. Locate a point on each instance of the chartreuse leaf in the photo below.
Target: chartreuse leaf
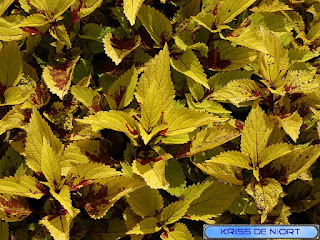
{"x": 60, "y": 33}
{"x": 230, "y": 57}
{"x": 175, "y": 211}
{"x": 273, "y": 152}
{"x": 238, "y": 91}
{"x": 221, "y": 171}
{"x": 175, "y": 177}
{"x": 146, "y": 226}
{"x": 10, "y": 162}
{"x": 16, "y": 95}
{"x": 184, "y": 120}
{"x": 116, "y": 51}
{"x": 275, "y": 64}
{"x": 59, "y": 225}
{"x": 246, "y": 35}
{"x": 71, "y": 157}
{"x": 36, "y": 131}
{"x": 13, "y": 119}
{"x": 158, "y": 90}
{"x": 179, "y": 231}
{"x": 188, "y": 64}
{"x": 213, "y": 201}
{"x": 255, "y": 134}
{"x": 157, "y": 71}
{"x": 292, "y": 124}
{"x": 266, "y": 195}
{"x": 145, "y": 202}
{"x": 85, "y": 7}
{"x": 8, "y": 31}
{"x": 131, "y": 8}
{"x": 195, "y": 190}
{"x": 156, "y": 23}
{"x": 34, "y": 20}
{"x": 101, "y": 197}
{"x": 152, "y": 172}
{"x": 50, "y": 165}
{"x": 26, "y": 186}
{"x": 270, "y": 6}
{"x": 87, "y": 96}
{"x": 64, "y": 198}
{"x": 88, "y": 173}
{"x": 4, "y": 230}
{"x": 10, "y": 64}
{"x": 230, "y": 9}
{"x": 115, "y": 120}
{"x": 232, "y": 158}
{"x": 243, "y": 204}
{"x": 210, "y": 138}
{"x": 301, "y": 81}
{"x": 314, "y": 32}
{"x": 52, "y": 9}
{"x": 58, "y": 78}
{"x": 4, "y": 6}
{"x": 120, "y": 94}
{"x": 205, "y": 18}
{"x": 13, "y": 208}
{"x": 298, "y": 163}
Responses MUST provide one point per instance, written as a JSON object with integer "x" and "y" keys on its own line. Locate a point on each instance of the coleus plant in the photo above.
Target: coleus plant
{"x": 146, "y": 119}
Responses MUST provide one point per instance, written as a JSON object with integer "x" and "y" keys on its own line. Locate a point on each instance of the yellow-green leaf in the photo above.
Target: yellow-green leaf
{"x": 64, "y": 198}
{"x": 50, "y": 165}
{"x": 87, "y": 96}
{"x": 13, "y": 119}
{"x": 232, "y": 158}
{"x": 238, "y": 91}
{"x": 60, "y": 33}
{"x": 188, "y": 64}
{"x": 34, "y": 20}
{"x": 8, "y": 31}
{"x": 146, "y": 226}
{"x": 88, "y": 173}
{"x": 256, "y": 132}
{"x": 266, "y": 195}
{"x": 156, "y": 23}
{"x": 297, "y": 163}
{"x": 58, "y": 78}
{"x": 275, "y": 64}
{"x": 145, "y": 202}
{"x": 120, "y": 94}
{"x": 16, "y": 95}
{"x": 301, "y": 81}
{"x": 271, "y": 6}
{"x": 59, "y": 225}
{"x": 223, "y": 172}
{"x": 5, "y": 4}
{"x": 10, "y": 64}
{"x": 115, "y": 51}
{"x": 292, "y": 124}
{"x": 25, "y": 186}
{"x": 36, "y": 131}
{"x": 101, "y": 197}
{"x": 86, "y": 7}
{"x": 131, "y": 8}
{"x": 175, "y": 211}
{"x": 213, "y": 201}
{"x": 155, "y": 89}
{"x": 179, "y": 231}
{"x": 115, "y": 120}
{"x": 273, "y": 152}
{"x": 13, "y": 208}
{"x": 230, "y": 9}
{"x": 152, "y": 172}
{"x": 184, "y": 120}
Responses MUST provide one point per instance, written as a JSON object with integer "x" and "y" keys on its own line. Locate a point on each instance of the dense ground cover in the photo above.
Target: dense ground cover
{"x": 146, "y": 119}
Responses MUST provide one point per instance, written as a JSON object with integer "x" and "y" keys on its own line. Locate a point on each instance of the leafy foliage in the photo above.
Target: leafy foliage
{"x": 141, "y": 118}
